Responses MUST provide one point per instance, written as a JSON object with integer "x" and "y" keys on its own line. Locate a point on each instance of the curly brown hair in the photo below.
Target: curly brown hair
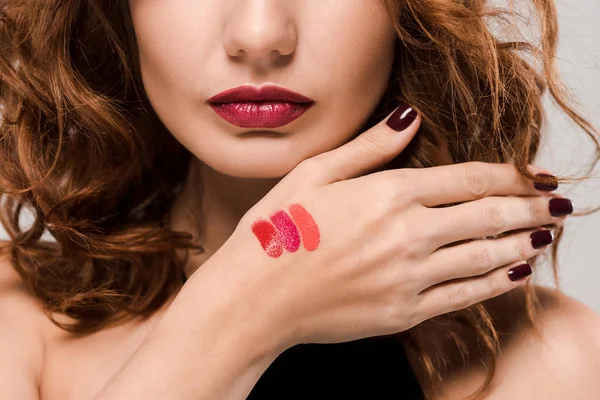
{"x": 82, "y": 148}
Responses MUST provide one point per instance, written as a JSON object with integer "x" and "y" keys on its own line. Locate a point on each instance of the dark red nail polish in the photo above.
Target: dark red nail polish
{"x": 540, "y": 239}
{"x": 402, "y": 118}
{"x": 544, "y": 186}
{"x": 519, "y": 272}
{"x": 559, "y": 207}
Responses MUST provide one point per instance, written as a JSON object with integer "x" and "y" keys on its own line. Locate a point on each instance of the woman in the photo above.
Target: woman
{"x": 374, "y": 210}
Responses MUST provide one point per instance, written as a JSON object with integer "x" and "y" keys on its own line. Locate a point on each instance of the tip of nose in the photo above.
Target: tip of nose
{"x": 270, "y": 44}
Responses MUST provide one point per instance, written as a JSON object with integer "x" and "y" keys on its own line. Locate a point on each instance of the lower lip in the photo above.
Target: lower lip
{"x": 260, "y": 114}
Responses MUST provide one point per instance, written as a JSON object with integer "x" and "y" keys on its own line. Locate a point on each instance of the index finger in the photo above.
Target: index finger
{"x": 472, "y": 180}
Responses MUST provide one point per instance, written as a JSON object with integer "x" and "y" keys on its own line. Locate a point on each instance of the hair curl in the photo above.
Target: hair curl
{"x": 82, "y": 148}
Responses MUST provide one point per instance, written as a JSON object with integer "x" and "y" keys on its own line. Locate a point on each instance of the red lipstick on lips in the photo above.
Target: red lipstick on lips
{"x": 269, "y": 106}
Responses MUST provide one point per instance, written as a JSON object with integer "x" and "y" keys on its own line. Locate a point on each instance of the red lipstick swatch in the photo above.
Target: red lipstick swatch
{"x": 268, "y": 237}
{"x": 288, "y": 232}
{"x": 307, "y": 226}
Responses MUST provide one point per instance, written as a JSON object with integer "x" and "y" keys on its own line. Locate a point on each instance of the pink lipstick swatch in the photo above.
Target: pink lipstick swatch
{"x": 268, "y": 237}
{"x": 307, "y": 226}
{"x": 288, "y": 232}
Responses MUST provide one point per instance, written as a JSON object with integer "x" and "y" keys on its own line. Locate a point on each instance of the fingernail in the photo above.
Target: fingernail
{"x": 519, "y": 272}
{"x": 540, "y": 239}
{"x": 544, "y": 186}
{"x": 401, "y": 118}
{"x": 559, "y": 207}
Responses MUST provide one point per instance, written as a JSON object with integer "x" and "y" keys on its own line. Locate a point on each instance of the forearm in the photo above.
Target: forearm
{"x": 206, "y": 346}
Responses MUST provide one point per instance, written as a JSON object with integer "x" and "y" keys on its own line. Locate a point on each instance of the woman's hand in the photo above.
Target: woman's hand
{"x": 332, "y": 254}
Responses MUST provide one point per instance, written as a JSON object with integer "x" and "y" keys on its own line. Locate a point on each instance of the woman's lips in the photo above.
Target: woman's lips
{"x": 260, "y": 114}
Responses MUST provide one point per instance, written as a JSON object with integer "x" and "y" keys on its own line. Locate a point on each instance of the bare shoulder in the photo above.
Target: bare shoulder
{"x": 21, "y": 338}
{"x": 558, "y": 360}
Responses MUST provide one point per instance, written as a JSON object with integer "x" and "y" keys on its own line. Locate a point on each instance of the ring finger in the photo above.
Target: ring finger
{"x": 493, "y": 215}
{"x": 481, "y": 256}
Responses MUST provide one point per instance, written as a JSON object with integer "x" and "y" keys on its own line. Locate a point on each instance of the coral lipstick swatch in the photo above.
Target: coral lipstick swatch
{"x": 307, "y": 226}
{"x": 286, "y": 231}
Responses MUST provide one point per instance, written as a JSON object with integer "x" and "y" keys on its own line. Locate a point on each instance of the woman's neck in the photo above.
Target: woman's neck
{"x": 210, "y": 206}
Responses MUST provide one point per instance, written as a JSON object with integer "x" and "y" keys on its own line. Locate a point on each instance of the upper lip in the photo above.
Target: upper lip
{"x": 263, "y": 93}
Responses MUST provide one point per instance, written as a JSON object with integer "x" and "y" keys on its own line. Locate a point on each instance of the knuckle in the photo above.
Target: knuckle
{"x": 308, "y": 166}
{"x": 398, "y": 316}
{"x": 494, "y": 217}
{"x": 412, "y": 319}
{"x": 389, "y": 314}
{"x": 494, "y": 287}
{"x": 415, "y": 311}
{"x": 522, "y": 251}
{"x": 477, "y": 178}
{"x": 534, "y": 211}
{"x": 372, "y": 144}
{"x": 397, "y": 185}
{"x": 408, "y": 280}
{"x": 382, "y": 191}
{"x": 387, "y": 186}
{"x": 415, "y": 242}
{"x": 462, "y": 298}
{"x": 404, "y": 317}
{"x": 400, "y": 176}
{"x": 482, "y": 258}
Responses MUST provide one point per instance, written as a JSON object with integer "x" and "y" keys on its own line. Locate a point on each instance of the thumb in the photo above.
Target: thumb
{"x": 372, "y": 148}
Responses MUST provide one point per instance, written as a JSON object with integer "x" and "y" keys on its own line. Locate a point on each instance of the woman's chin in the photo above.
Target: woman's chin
{"x": 262, "y": 167}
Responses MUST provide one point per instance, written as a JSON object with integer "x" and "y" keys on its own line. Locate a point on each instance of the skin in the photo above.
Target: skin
{"x": 344, "y": 66}
{"x": 199, "y": 48}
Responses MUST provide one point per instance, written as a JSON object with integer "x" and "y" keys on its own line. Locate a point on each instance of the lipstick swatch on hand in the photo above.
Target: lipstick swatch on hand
{"x": 268, "y": 237}
{"x": 287, "y": 233}
{"x": 307, "y": 226}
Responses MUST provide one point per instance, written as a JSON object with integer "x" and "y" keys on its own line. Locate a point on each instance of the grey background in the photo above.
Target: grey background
{"x": 567, "y": 150}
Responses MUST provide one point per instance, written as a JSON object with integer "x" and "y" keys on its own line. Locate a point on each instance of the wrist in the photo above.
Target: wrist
{"x": 227, "y": 299}
{"x": 208, "y": 343}
{"x": 231, "y": 281}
